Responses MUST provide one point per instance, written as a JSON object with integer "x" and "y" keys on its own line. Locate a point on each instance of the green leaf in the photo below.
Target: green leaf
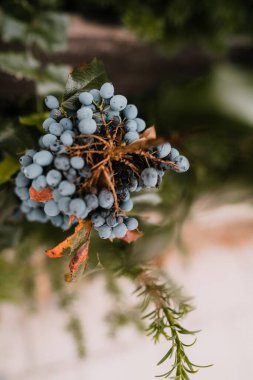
{"x": 46, "y": 30}
{"x": 166, "y": 356}
{"x": 82, "y": 78}
{"x": 21, "y": 65}
{"x": 8, "y": 167}
{"x": 15, "y": 138}
{"x": 52, "y": 79}
{"x": 34, "y": 119}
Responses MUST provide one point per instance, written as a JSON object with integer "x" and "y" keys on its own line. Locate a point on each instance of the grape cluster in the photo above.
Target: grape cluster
{"x": 92, "y": 162}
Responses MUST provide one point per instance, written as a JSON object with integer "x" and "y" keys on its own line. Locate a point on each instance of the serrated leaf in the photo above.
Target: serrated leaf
{"x": 8, "y": 167}
{"x": 73, "y": 242}
{"x": 82, "y": 78}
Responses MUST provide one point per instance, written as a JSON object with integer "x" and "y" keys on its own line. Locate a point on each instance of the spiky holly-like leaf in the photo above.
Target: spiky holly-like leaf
{"x": 83, "y": 78}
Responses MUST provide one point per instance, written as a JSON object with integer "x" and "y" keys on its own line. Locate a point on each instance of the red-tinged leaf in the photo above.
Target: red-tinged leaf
{"x": 149, "y": 133}
{"x": 71, "y": 218}
{"x": 132, "y": 236}
{"x": 78, "y": 260}
{"x": 81, "y": 234}
{"x": 43, "y": 195}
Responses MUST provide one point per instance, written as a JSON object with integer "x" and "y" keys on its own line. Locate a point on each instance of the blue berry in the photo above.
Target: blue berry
{"x": 63, "y": 204}
{"x": 91, "y": 201}
{"x": 131, "y": 111}
{"x": 174, "y": 153}
{"x": 47, "y": 122}
{"x": 56, "y": 195}
{"x": 22, "y": 193}
{"x": 163, "y": 150}
{"x": 131, "y": 223}
{"x": 66, "y": 188}
{"x": 182, "y": 163}
{"x": 123, "y": 194}
{"x": 71, "y": 175}
{"x": 107, "y": 90}
{"x": 43, "y": 158}
{"x": 85, "y": 98}
{"x": 25, "y": 160}
{"x": 84, "y": 113}
{"x": 62, "y": 162}
{"x": 21, "y": 180}
{"x": 130, "y": 137}
{"x": 87, "y": 126}
{"x": 133, "y": 184}
{"x": 104, "y": 231}
{"x": 33, "y": 171}
{"x": 111, "y": 220}
{"x": 118, "y": 102}
{"x": 56, "y": 129}
{"x": 49, "y": 139}
{"x": 149, "y": 177}
{"x": 97, "y": 219}
{"x": 130, "y": 126}
{"x": 53, "y": 177}
{"x": 66, "y": 123}
{"x": 141, "y": 125}
{"x": 51, "y": 102}
{"x": 96, "y": 95}
{"x": 57, "y": 220}
{"x": 120, "y": 230}
{"x": 127, "y": 205}
{"x": 110, "y": 114}
{"x": 51, "y": 208}
{"x": 55, "y": 114}
{"x": 66, "y": 138}
{"x": 77, "y": 207}
{"x": 105, "y": 199}
{"x": 77, "y": 162}
{"x": 40, "y": 182}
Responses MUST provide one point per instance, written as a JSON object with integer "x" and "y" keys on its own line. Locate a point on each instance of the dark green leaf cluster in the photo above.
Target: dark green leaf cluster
{"x": 28, "y": 28}
{"x": 177, "y": 23}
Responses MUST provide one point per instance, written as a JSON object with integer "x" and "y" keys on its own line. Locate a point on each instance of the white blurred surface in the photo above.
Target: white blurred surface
{"x": 218, "y": 272}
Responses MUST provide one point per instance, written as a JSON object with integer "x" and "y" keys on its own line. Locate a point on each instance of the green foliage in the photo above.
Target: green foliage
{"x": 34, "y": 25}
{"x": 35, "y": 119}
{"x": 163, "y": 306}
{"x": 28, "y": 28}
{"x": 8, "y": 167}
{"x": 179, "y": 23}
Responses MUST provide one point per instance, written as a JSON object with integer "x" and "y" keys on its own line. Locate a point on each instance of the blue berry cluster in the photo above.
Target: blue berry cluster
{"x": 82, "y": 160}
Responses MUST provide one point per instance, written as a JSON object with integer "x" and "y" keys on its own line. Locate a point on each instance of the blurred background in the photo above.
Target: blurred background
{"x": 189, "y": 68}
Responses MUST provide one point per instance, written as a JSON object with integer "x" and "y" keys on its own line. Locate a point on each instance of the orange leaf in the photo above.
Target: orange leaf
{"x": 149, "y": 133}
{"x": 77, "y": 260}
{"x": 72, "y": 218}
{"x": 132, "y": 236}
{"x": 68, "y": 243}
{"x": 41, "y": 195}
